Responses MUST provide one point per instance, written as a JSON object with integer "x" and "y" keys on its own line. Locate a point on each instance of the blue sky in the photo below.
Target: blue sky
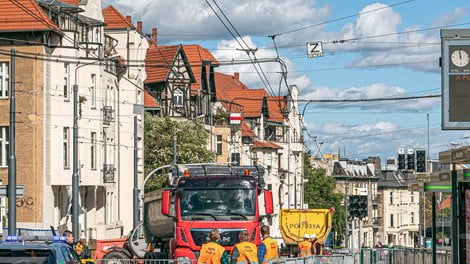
{"x": 362, "y": 129}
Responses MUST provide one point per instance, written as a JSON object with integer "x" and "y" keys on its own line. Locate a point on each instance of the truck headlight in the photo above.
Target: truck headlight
{"x": 183, "y": 260}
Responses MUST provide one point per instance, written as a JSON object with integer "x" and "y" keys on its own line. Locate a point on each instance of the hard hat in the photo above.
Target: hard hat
{"x": 313, "y": 236}
{"x": 82, "y": 237}
{"x": 306, "y": 236}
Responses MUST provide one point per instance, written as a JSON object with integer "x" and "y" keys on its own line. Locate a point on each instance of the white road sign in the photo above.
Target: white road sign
{"x": 314, "y": 49}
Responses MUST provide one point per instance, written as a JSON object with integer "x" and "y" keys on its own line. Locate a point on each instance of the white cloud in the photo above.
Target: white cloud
{"x": 227, "y": 51}
{"x": 374, "y": 90}
{"x": 450, "y": 18}
{"x": 249, "y": 17}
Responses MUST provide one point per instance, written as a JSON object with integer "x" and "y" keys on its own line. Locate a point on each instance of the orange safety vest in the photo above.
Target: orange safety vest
{"x": 314, "y": 248}
{"x": 210, "y": 253}
{"x": 305, "y": 249}
{"x": 272, "y": 249}
{"x": 247, "y": 253}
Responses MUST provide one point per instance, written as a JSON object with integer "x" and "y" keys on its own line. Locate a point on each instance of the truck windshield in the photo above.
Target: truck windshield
{"x": 217, "y": 204}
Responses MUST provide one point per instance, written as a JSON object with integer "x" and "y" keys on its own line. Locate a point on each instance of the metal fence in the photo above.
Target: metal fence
{"x": 399, "y": 256}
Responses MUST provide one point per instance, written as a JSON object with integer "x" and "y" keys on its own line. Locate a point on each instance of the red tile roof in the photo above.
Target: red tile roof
{"x": 232, "y": 90}
{"x": 266, "y": 144}
{"x": 445, "y": 204}
{"x": 72, "y": 2}
{"x": 276, "y": 106}
{"x": 149, "y": 100}
{"x": 114, "y": 19}
{"x": 24, "y": 15}
{"x": 158, "y": 61}
{"x": 251, "y": 100}
{"x": 246, "y": 131}
{"x": 196, "y": 55}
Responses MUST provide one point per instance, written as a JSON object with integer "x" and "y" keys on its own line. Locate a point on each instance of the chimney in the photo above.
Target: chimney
{"x": 139, "y": 26}
{"x": 129, "y": 18}
{"x": 154, "y": 35}
{"x": 236, "y": 76}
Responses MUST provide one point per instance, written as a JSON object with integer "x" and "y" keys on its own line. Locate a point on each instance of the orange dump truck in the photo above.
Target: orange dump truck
{"x": 295, "y": 224}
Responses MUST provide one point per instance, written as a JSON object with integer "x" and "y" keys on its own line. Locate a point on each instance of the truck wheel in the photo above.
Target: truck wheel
{"x": 115, "y": 257}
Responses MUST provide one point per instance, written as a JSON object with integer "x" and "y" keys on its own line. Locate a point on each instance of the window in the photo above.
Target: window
{"x": 219, "y": 144}
{"x": 391, "y": 197}
{"x": 4, "y": 79}
{"x": 178, "y": 98}
{"x": 4, "y": 138}
{"x": 235, "y": 158}
{"x": 391, "y": 220}
{"x": 93, "y": 90}
{"x": 66, "y": 146}
{"x": 66, "y": 80}
{"x": 412, "y": 217}
{"x": 412, "y": 197}
{"x": 93, "y": 150}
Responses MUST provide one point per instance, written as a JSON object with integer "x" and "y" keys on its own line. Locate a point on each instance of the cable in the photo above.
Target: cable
{"x": 342, "y": 18}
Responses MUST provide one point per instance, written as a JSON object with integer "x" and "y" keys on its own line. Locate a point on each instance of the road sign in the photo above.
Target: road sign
{"x": 314, "y": 49}
{"x": 235, "y": 118}
{"x": 4, "y": 190}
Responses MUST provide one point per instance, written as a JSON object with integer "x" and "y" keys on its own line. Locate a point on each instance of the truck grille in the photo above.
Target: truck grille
{"x": 228, "y": 237}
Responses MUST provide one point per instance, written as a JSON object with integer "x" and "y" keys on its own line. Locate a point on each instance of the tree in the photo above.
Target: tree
{"x": 320, "y": 192}
{"x": 158, "y": 146}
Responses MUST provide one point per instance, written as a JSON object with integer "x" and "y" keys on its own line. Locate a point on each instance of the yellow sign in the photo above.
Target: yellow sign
{"x": 295, "y": 224}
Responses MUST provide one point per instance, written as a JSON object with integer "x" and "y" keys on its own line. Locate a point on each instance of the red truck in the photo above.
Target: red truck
{"x": 177, "y": 219}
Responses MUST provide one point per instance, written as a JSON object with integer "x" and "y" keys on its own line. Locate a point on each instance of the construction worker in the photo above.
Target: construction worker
{"x": 305, "y": 247}
{"x": 244, "y": 252}
{"x": 212, "y": 252}
{"x": 268, "y": 249}
{"x": 317, "y": 247}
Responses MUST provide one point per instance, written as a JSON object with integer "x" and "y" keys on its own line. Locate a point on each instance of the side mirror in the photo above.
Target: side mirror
{"x": 268, "y": 202}
{"x": 165, "y": 209}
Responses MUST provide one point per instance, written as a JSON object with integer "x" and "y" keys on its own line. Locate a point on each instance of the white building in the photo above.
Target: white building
{"x": 399, "y": 214}
{"x": 75, "y": 50}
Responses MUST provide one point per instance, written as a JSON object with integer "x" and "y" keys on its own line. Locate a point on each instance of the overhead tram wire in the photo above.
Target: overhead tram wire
{"x": 342, "y": 18}
{"x": 239, "y": 43}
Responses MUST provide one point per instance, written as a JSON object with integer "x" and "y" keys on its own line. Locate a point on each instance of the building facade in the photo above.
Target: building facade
{"x": 71, "y": 52}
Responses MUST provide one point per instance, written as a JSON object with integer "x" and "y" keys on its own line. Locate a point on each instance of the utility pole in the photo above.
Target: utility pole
{"x": 75, "y": 187}
{"x": 136, "y": 179}
{"x": 12, "y": 157}
{"x": 288, "y": 167}
{"x": 174, "y": 146}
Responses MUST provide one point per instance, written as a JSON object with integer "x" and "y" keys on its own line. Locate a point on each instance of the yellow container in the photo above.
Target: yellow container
{"x": 296, "y": 223}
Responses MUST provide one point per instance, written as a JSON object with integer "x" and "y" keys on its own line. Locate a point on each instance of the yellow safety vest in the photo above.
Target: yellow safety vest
{"x": 247, "y": 253}
{"x": 272, "y": 250}
{"x": 305, "y": 249}
{"x": 210, "y": 253}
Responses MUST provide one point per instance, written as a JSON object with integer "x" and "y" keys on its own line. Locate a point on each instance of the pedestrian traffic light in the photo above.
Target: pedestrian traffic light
{"x": 410, "y": 161}
{"x": 401, "y": 162}
{"x": 358, "y": 206}
{"x": 420, "y": 161}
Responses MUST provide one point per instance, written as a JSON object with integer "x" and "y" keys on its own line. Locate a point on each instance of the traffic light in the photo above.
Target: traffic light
{"x": 410, "y": 161}
{"x": 358, "y": 206}
{"x": 401, "y": 162}
{"x": 420, "y": 161}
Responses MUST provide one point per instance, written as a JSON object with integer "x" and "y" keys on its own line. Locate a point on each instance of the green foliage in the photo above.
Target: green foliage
{"x": 158, "y": 146}
{"x": 320, "y": 192}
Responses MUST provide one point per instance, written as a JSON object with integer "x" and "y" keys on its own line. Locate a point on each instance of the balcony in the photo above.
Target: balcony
{"x": 377, "y": 222}
{"x": 107, "y": 115}
{"x": 108, "y": 173}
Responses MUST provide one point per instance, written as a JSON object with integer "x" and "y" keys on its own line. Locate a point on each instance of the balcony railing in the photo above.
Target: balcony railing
{"x": 107, "y": 115}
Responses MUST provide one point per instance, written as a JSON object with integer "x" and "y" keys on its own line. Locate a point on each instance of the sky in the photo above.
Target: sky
{"x": 366, "y": 55}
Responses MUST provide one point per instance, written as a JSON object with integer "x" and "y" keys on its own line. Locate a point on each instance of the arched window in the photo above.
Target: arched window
{"x": 178, "y": 98}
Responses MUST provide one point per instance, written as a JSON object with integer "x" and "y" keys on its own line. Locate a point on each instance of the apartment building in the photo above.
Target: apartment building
{"x": 399, "y": 215}
{"x": 62, "y": 46}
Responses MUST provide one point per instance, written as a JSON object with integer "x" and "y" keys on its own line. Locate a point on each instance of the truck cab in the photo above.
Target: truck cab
{"x": 177, "y": 220}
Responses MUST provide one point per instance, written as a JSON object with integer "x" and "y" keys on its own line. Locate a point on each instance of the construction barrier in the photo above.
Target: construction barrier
{"x": 402, "y": 255}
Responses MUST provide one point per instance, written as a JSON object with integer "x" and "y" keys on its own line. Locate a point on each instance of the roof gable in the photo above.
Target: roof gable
{"x": 196, "y": 56}
{"x": 149, "y": 100}
{"x": 24, "y": 15}
{"x": 276, "y": 107}
{"x": 115, "y": 20}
